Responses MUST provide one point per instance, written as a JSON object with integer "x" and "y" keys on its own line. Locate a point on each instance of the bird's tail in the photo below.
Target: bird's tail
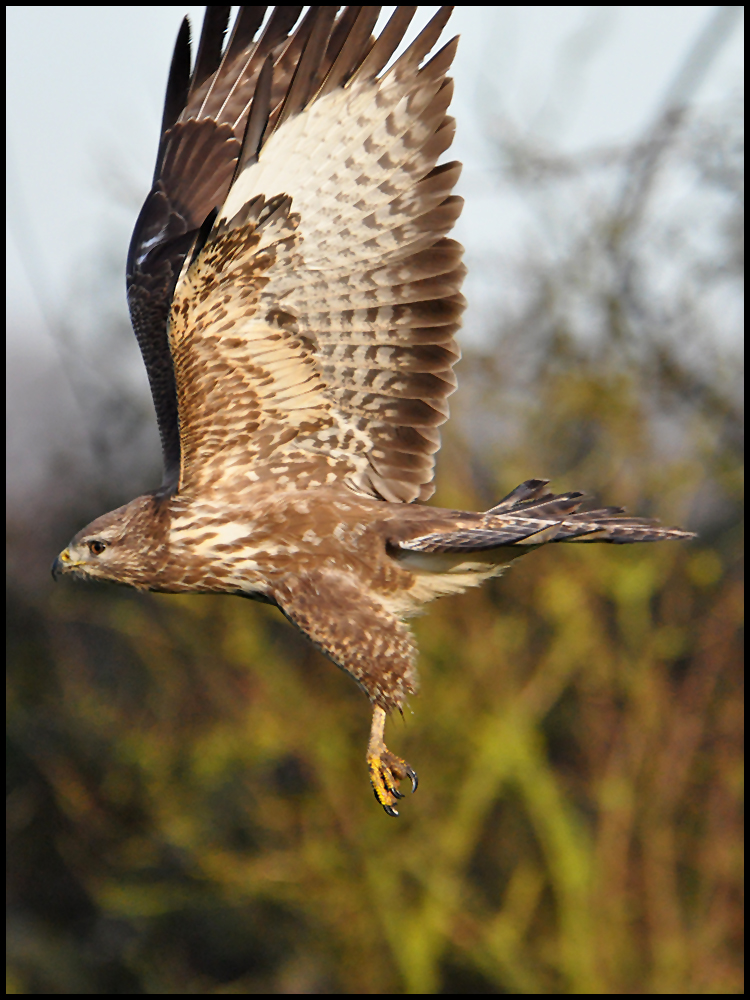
{"x": 529, "y": 516}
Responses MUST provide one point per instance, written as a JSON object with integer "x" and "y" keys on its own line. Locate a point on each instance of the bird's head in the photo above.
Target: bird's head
{"x": 118, "y": 546}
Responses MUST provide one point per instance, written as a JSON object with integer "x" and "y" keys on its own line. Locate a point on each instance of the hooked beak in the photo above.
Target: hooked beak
{"x": 60, "y": 564}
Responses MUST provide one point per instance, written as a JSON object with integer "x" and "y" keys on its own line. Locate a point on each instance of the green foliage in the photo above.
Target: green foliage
{"x": 190, "y": 781}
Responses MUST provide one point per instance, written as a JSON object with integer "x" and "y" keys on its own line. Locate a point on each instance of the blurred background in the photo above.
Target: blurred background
{"x": 188, "y": 808}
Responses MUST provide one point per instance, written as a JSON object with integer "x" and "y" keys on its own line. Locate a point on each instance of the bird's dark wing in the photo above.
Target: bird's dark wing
{"x": 312, "y": 332}
{"x": 205, "y": 113}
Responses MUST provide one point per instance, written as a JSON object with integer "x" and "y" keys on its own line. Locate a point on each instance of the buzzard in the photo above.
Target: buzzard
{"x": 295, "y": 298}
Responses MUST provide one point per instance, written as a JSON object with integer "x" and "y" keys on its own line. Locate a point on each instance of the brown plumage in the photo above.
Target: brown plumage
{"x": 295, "y": 298}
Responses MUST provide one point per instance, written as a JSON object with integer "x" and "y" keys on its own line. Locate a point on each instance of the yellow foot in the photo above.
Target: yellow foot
{"x": 386, "y": 769}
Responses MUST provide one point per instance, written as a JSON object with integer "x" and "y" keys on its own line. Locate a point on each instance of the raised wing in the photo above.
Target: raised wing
{"x": 312, "y": 332}
{"x": 205, "y": 115}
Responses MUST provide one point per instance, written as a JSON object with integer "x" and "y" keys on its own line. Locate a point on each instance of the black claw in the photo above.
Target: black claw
{"x": 414, "y": 779}
{"x": 388, "y": 781}
{"x": 389, "y": 809}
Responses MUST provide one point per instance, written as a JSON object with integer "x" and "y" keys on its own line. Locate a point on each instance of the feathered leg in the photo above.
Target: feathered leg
{"x": 352, "y": 627}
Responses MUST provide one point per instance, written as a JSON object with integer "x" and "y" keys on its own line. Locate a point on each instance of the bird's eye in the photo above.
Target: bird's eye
{"x": 96, "y": 547}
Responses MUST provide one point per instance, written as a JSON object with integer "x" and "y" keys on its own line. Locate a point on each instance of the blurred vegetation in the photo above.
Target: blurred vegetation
{"x": 188, "y": 807}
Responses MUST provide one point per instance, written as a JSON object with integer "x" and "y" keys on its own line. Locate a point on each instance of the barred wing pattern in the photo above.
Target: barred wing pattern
{"x": 205, "y": 116}
{"x": 531, "y": 516}
{"x": 312, "y": 334}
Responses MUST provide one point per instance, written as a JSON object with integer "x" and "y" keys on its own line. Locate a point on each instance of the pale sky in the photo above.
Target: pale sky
{"x": 85, "y": 90}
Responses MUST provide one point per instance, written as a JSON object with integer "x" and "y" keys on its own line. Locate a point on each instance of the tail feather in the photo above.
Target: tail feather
{"x": 619, "y": 531}
{"x": 529, "y": 517}
{"x": 531, "y": 490}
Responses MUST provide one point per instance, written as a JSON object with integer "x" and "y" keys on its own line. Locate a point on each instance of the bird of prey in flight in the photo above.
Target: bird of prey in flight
{"x": 296, "y": 297}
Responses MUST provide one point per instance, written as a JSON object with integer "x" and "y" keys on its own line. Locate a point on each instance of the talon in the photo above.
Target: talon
{"x": 387, "y": 784}
{"x": 386, "y": 769}
{"x": 387, "y": 776}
